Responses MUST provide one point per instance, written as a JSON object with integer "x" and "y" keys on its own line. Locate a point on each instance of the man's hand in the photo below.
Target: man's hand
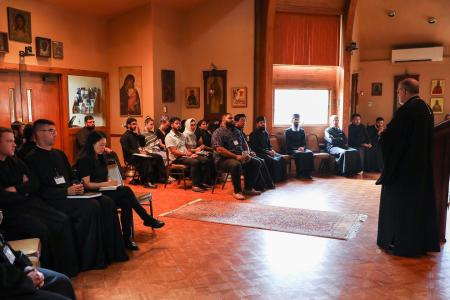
{"x": 194, "y": 155}
{"x": 37, "y": 278}
{"x": 11, "y": 189}
{"x": 112, "y": 183}
{"x": 301, "y": 149}
{"x": 252, "y": 154}
{"x": 271, "y": 153}
{"x": 25, "y": 178}
{"x": 239, "y": 157}
{"x": 188, "y": 153}
{"x": 367, "y": 145}
{"x": 76, "y": 189}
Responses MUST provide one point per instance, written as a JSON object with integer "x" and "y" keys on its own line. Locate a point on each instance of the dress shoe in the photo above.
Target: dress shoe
{"x": 130, "y": 244}
{"x": 206, "y": 186}
{"x": 238, "y": 196}
{"x": 198, "y": 189}
{"x": 252, "y": 192}
{"x": 154, "y": 223}
{"x": 149, "y": 185}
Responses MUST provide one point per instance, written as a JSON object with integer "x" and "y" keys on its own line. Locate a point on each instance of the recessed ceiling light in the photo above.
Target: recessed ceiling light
{"x": 432, "y": 20}
{"x": 391, "y": 13}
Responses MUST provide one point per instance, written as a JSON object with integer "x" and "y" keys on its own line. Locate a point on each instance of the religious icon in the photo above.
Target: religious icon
{"x": 192, "y": 95}
{"x": 4, "y": 42}
{"x": 19, "y": 25}
{"x": 377, "y": 89}
{"x": 168, "y": 85}
{"x": 437, "y": 105}
{"x": 43, "y": 47}
{"x": 215, "y": 89}
{"x": 130, "y": 79}
{"x": 437, "y": 87}
{"x": 239, "y": 97}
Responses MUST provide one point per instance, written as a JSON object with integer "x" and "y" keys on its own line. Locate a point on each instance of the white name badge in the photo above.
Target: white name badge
{"x": 60, "y": 180}
{"x": 235, "y": 142}
{"x": 9, "y": 255}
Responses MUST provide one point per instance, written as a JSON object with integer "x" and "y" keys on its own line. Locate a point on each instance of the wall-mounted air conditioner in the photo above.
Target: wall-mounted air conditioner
{"x": 418, "y": 54}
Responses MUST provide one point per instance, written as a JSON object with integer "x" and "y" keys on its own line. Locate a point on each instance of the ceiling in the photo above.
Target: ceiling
{"x": 379, "y": 34}
{"x": 111, "y": 8}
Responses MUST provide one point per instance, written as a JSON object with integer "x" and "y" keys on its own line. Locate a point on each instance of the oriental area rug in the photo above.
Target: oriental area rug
{"x": 293, "y": 220}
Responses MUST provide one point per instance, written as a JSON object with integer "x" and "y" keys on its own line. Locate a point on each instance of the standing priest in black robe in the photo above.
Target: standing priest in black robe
{"x": 27, "y": 216}
{"x": 407, "y": 224}
{"x": 347, "y": 158}
{"x": 359, "y": 139}
{"x": 98, "y": 238}
{"x": 374, "y": 157}
{"x": 296, "y": 146}
{"x": 260, "y": 143}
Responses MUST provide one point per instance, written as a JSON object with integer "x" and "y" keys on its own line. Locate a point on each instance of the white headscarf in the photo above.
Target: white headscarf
{"x": 191, "y": 138}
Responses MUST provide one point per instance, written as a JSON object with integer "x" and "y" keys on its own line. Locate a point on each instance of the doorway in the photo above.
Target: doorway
{"x": 27, "y": 96}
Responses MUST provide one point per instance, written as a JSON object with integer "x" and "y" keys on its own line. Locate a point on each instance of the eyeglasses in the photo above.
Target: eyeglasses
{"x": 51, "y": 130}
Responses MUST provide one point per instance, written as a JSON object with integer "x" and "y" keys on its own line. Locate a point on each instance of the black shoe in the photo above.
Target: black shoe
{"x": 154, "y": 223}
{"x": 130, "y": 244}
{"x": 206, "y": 186}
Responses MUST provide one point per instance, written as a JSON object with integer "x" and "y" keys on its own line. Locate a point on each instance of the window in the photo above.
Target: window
{"x": 312, "y": 105}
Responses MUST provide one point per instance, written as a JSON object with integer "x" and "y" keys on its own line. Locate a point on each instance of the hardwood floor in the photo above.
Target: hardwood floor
{"x": 199, "y": 260}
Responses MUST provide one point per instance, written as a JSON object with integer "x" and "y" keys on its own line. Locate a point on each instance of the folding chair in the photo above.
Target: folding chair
{"x": 178, "y": 170}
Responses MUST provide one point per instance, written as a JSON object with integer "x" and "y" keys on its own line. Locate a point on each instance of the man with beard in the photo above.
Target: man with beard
{"x": 27, "y": 216}
{"x": 264, "y": 180}
{"x": 180, "y": 153}
{"x": 95, "y": 224}
{"x": 260, "y": 143}
{"x": 296, "y": 146}
{"x": 230, "y": 156}
{"x": 82, "y": 135}
{"x": 407, "y": 224}
{"x": 359, "y": 139}
{"x": 151, "y": 168}
{"x": 374, "y": 158}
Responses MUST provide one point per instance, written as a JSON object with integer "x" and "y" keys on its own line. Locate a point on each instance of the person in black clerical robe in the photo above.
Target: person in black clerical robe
{"x": 94, "y": 220}
{"x": 296, "y": 146}
{"x": 150, "y": 166}
{"x": 347, "y": 158}
{"x": 264, "y": 180}
{"x": 407, "y": 224}
{"x": 260, "y": 143}
{"x": 374, "y": 157}
{"x": 359, "y": 139}
{"x": 27, "y": 216}
{"x": 29, "y": 144}
{"x": 93, "y": 170}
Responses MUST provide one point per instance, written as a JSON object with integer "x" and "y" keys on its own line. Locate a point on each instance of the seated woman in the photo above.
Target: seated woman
{"x": 191, "y": 143}
{"x": 347, "y": 158}
{"x": 204, "y": 135}
{"x": 93, "y": 170}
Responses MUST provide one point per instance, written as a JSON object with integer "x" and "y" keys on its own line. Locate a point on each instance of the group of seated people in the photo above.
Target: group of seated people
{"x": 41, "y": 196}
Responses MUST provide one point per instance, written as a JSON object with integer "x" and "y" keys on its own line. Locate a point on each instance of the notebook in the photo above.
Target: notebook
{"x": 114, "y": 174}
{"x": 84, "y": 196}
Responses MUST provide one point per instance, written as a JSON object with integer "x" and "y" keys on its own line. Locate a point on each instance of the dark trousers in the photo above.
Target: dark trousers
{"x": 251, "y": 171}
{"x": 304, "y": 162}
{"x": 37, "y": 219}
{"x": 149, "y": 168}
{"x": 200, "y": 168}
{"x": 276, "y": 166}
{"x": 348, "y": 161}
{"x": 56, "y": 287}
{"x": 127, "y": 201}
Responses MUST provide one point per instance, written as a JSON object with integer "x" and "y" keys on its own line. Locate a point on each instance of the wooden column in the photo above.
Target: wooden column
{"x": 348, "y": 22}
{"x": 263, "y": 69}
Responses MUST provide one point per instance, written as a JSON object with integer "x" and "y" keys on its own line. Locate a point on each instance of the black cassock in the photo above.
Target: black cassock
{"x": 27, "y": 216}
{"x": 347, "y": 158}
{"x": 407, "y": 217}
{"x": 374, "y": 158}
{"x": 260, "y": 143}
{"x": 357, "y": 135}
{"x": 98, "y": 237}
{"x": 304, "y": 161}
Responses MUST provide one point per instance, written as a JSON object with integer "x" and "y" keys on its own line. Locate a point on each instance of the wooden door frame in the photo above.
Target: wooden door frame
{"x": 64, "y": 95}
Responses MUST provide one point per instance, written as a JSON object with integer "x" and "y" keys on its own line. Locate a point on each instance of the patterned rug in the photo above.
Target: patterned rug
{"x": 294, "y": 220}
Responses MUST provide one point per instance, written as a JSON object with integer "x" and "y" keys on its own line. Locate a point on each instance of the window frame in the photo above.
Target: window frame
{"x": 300, "y": 88}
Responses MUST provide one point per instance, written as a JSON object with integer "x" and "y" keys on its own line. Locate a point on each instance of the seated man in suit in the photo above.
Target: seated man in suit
{"x": 359, "y": 139}
{"x": 180, "y": 153}
{"x": 27, "y": 216}
{"x": 296, "y": 146}
{"x": 20, "y": 280}
{"x": 230, "y": 156}
{"x": 260, "y": 143}
{"x": 150, "y": 167}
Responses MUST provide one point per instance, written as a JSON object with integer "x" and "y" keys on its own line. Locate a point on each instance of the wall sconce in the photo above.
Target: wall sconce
{"x": 352, "y": 47}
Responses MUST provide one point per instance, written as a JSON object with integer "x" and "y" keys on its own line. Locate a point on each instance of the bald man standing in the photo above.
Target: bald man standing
{"x": 407, "y": 224}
